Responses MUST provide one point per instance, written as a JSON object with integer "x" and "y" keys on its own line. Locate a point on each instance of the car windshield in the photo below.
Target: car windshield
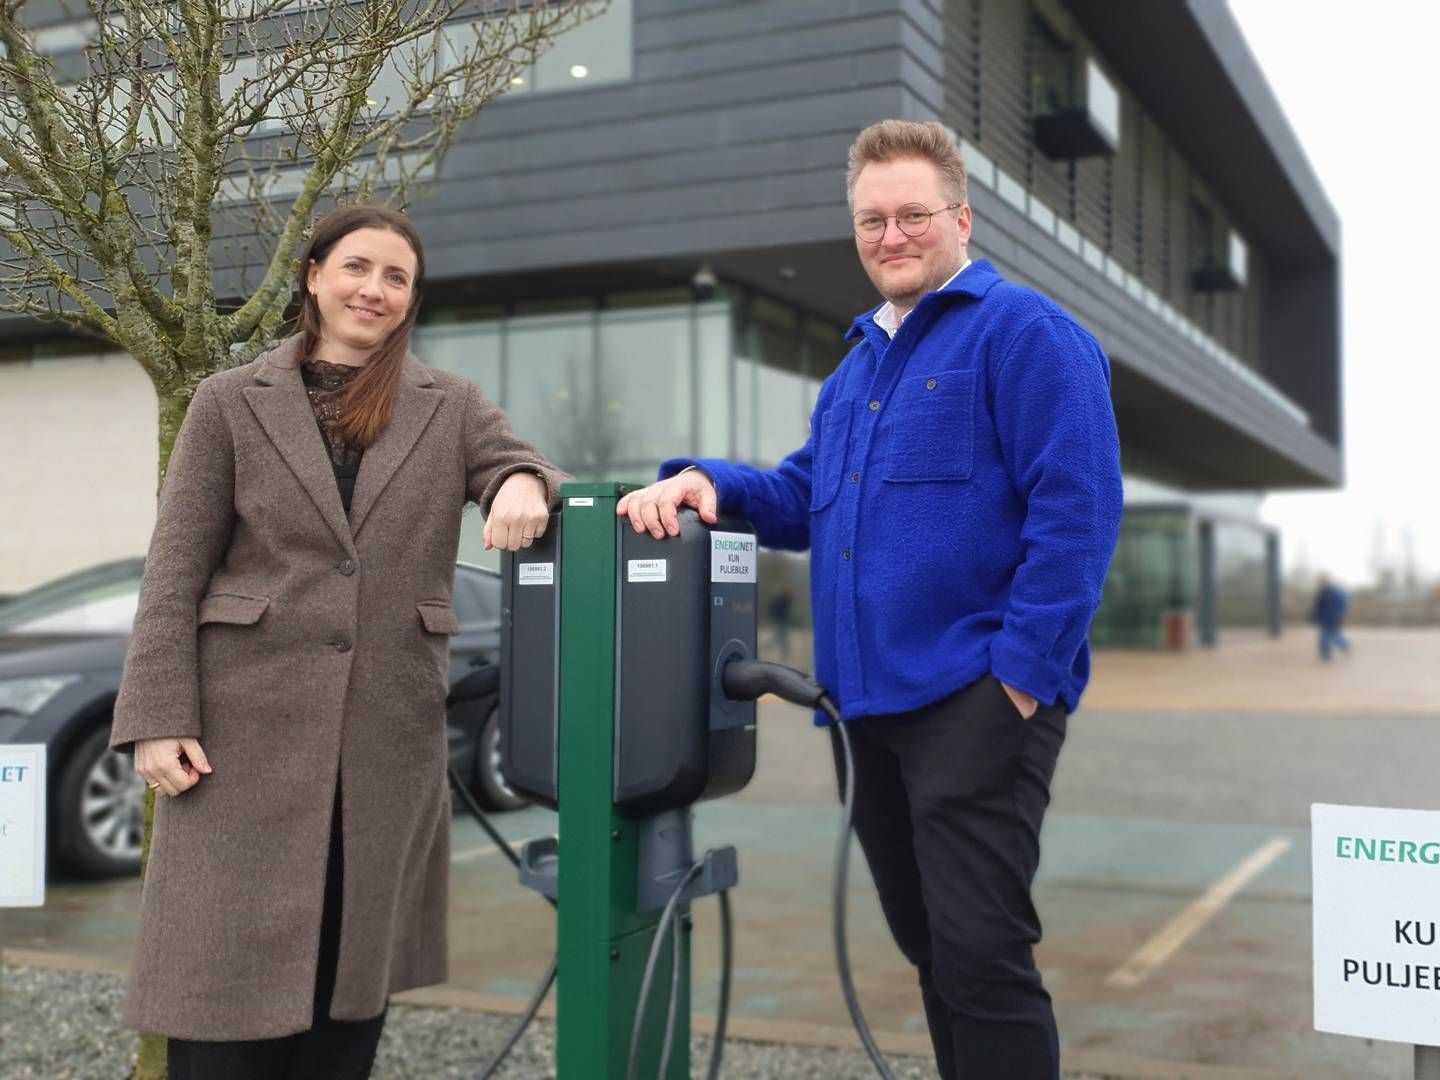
{"x": 98, "y": 600}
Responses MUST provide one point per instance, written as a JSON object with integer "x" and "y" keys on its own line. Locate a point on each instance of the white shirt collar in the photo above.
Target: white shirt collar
{"x": 885, "y": 317}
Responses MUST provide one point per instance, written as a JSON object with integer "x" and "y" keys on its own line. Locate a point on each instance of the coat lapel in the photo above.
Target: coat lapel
{"x": 283, "y": 409}
{"x": 416, "y": 399}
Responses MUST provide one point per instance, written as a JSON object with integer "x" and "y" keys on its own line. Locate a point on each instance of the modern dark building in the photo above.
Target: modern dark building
{"x": 644, "y": 249}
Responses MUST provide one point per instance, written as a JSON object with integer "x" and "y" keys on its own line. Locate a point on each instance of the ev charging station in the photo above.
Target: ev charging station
{"x": 613, "y": 712}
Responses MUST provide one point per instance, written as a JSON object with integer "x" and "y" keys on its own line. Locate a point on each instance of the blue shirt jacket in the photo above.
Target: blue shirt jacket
{"x": 960, "y": 494}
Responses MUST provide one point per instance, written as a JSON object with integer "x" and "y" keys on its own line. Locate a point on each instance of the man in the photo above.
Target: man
{"x": 960, "y": 495}
{"x": 1328, "y": 613}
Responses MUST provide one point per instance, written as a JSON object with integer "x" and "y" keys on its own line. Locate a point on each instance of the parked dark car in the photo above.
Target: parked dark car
{"x": 62, "y": 648}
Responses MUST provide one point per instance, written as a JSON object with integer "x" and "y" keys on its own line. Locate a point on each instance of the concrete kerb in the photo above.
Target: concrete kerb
{"x": 1090, "y": 1063}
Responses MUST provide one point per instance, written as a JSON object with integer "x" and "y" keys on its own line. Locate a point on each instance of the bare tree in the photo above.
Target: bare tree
{"x": 158, "y": 176}
{"x": 156, "y": 183}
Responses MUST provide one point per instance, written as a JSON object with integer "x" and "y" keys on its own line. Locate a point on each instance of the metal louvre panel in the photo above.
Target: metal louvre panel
{"x": 962, "y": 67}
{"x": 1256, "y": 288}
{"x": 1125, "y": 188}
{"x": 1050, "y": 181}
{"x": 1004, "y": 87}
{"x": 1153, "y": 235}
{"x": 1177, "y": 221}
{"x": 1092, "y": 199}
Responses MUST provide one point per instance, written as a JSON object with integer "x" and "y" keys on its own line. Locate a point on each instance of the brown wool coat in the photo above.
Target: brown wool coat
{"x": 299, "y": 648}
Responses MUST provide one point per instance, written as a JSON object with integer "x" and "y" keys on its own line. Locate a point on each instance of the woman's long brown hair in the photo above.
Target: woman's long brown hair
{"x": 370, "y": 398}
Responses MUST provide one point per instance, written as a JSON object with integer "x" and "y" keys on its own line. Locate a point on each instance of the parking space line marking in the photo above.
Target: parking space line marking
{"x": 470, "y": 854}
{"x": 1144, "y": 960}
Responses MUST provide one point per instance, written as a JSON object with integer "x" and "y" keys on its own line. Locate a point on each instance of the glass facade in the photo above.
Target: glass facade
{"x": 782, "y": 357}
{"x": 1172, "y": 562}
{"x": 1153, "y": 572}
{"x": 1241, "y": 597}
{"x": 610, "y": 388}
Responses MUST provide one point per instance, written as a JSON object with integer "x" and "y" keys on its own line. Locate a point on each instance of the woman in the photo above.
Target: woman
{"x": 284, "y": 690}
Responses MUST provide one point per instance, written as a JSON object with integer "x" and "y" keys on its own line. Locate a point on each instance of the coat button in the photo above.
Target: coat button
{"x": 854, "y": 478}
{"x": 930, "y": 384}
{"x": 874, "y": 405}
{"x": 346, "y": 567}
{"x": 846, "y": 554}
{"x": 341, "y": 643}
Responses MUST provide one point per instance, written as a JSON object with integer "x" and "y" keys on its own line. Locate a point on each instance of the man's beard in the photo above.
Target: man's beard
{"x": 906, "y": 301}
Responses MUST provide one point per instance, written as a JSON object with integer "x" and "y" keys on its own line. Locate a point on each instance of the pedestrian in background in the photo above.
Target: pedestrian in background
{"x": 1328, "y": 614}
{"x": 284, "y": 689}
{"x": 779, "y": 611}
{"x": 960, "y": 497}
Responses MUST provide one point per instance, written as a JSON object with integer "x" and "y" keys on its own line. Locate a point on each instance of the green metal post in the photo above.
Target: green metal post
{"x": 603, "y": 943}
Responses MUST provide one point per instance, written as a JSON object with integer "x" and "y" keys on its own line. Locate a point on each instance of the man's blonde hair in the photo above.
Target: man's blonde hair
{"x": 893, "y": 140}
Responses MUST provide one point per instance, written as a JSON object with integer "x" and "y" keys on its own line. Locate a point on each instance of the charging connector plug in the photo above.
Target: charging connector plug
{"x": 747, "y": 680}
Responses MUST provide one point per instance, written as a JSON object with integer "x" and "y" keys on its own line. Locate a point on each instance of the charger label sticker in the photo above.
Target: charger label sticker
{"x": 536, "y": 573}
{"x": 577, "y": 501}
{"x": 646, "y": 569}
{"x": 732, "y": 557}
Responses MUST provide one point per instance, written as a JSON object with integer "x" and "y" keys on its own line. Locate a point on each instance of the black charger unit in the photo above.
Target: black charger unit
{"x": 684, "y": 607}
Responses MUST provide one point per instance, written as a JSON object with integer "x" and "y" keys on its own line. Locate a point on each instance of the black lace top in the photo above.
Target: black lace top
{"x": 325, "y": 385}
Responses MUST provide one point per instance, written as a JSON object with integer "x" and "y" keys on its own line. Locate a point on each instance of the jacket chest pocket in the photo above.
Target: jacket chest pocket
{"x": 438, "y": 617}
{"x": 831, "y": 445}
{"x": 934, "y": 433}
{"x": 232, "y": 608}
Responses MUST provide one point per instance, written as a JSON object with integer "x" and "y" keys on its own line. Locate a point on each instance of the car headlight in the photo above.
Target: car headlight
{"x": 29, "y": 695}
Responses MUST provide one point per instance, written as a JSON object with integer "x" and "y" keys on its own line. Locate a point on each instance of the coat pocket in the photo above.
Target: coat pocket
{"x": 831, "y": 448}
{"x": 438, "y": 617}
{"x": 233, "y": 608}
{"x": 935, "y": 428}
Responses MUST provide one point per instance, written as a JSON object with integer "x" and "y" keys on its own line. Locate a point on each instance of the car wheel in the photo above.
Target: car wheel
{"x": 99, "y": 810}
{"x": 491, "y": 789}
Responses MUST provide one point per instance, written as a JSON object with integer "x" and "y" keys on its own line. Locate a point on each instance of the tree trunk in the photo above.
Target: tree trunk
{"x": 150, "y": 1060}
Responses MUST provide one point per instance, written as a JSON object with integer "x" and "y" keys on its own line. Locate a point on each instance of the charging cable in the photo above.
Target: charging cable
{"x": 668, "y": 921}
{"x": 542, "y": 990}
{"x": 746, "y": 680}
{"x": 486, "y": 680}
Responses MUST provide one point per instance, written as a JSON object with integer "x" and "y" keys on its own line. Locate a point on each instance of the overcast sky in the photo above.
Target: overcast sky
{"x": 1358, "y": 84}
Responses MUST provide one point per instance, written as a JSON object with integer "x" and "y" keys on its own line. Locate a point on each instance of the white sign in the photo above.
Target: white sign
{"x": 1377, "y": 922}
{"x": 732, "y": 557}
{"x": 646, "y": 570}
{"x": 536, "y": 573}
{"x": 22, "y": 826}
{"x": 585, "y": 501}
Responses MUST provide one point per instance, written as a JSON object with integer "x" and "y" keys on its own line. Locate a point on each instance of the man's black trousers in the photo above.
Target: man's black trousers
{"x": 949, "y": 803}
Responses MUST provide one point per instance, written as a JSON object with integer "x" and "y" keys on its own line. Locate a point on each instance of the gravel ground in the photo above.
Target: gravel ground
{"x": 57, "y": 1025}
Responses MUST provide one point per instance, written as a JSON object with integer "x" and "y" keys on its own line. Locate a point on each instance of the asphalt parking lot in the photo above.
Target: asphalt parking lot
{"x": 1174, "y": 888}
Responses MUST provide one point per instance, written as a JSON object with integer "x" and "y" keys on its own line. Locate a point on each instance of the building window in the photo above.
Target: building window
{"x": 609, "y": 387}
{"x": 598, "y": 51}
{"x": 1151, "y": 576}
{"x": 1218, "y": 256}
{"x": 644, "y": 394}
{"x": 782, "y": 357}
{"x": 1052, "y": 80}
{"x": 1076, "y": 107}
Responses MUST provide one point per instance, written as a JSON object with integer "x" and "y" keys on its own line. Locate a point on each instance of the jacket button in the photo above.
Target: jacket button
{"x": 930, "y": 384}
{"x": 874, "y": 405}
{"x": 846, "y": 554}
{"x": 342, "y": 644}
{"x": 854, "y": 478}
{"x": 347, "y": 567}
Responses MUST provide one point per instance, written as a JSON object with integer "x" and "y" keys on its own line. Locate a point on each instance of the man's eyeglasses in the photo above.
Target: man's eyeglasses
{"x": 912, "y": 219}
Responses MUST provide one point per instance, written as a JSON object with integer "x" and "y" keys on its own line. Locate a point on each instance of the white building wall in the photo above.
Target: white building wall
{"x": 78, "y": 452}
